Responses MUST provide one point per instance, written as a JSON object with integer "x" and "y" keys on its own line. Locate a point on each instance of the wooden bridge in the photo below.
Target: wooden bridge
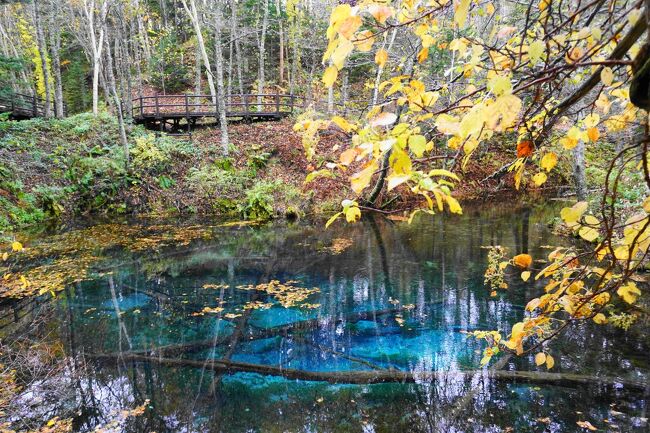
{"x": 168, "y": 111}
{"x": 21, "y": 106}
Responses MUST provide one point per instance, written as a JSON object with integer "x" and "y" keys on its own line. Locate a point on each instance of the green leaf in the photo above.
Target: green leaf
{"x": 417, "y": 144}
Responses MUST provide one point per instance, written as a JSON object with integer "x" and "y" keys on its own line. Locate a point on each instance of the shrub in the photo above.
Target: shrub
{"x": 154, "y": 154}
{"x": 210, "y": 181}
{"x": 146, "y": 155}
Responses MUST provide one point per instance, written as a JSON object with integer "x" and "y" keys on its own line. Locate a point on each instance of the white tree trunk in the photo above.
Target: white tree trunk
{"x": 223, "y": 121}
{"x": 380, "y": 69}
{"x": 260, "y": 79}
{"x": 235, "y": 35}
{"x": 194, "y": 17}
{"x": 118, "y": 104}
{"x": 96, "y": 42}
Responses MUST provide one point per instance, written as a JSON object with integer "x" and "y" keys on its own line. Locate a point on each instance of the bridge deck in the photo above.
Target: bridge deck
{"x": 21, "y": 106}
{"x": 191, "y": 107}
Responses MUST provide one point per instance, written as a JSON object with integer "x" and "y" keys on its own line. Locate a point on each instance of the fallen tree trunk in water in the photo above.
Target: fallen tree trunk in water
{"x": 257, "y": 334}
{"x": 364, "y": 377}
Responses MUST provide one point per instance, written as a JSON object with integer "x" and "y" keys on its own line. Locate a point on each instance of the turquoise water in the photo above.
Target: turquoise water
{"x": 382, "y": 296}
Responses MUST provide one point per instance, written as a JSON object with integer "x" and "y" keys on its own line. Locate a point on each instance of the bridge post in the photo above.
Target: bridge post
{"x": 277, "y": 103}
{"x": 141, "y": 109}
{"x": 187, "y": 114}
{"x": 247, "y": 112}
{"x": 157, "y": 107}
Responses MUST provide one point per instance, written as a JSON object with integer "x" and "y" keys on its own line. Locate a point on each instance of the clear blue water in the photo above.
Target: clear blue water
{"x": 397, "y": 299}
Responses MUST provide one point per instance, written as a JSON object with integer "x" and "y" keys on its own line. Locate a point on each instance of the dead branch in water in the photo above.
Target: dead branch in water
{"x": 364, "y": 377}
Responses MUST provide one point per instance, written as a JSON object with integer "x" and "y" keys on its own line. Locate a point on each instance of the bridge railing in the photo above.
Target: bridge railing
{"x": 23, "y": 105}
{"x": 203, "y": 105}
{"x": 244, "y": 105}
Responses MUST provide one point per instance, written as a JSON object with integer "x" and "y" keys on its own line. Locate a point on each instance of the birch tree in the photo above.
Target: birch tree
{"x": 262, "y": 53}
{"x": 96, "y": 26}
{"x": 195, "y": 18}
{"x": 221, "y": 97}
{"x": 234, "y": 34}
{"x": 116, "y": 100}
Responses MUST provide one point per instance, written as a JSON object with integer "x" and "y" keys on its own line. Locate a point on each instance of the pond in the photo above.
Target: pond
{"x": 289, "y": 327}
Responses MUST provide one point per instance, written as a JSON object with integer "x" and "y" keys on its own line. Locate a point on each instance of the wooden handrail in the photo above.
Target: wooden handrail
{"x": 28, "y": 105}
{"x": 189, "y": 105}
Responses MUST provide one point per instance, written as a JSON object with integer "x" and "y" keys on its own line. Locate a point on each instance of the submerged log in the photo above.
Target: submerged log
{"x": 257, "y": 334}
{"x": 364, "y": 377}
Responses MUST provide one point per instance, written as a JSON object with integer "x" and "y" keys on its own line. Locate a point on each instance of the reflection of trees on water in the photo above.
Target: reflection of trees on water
{"x": 436, "y": 265}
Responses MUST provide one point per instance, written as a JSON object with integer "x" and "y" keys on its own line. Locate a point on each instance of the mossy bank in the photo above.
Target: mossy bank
{"x": 51, "y": 169}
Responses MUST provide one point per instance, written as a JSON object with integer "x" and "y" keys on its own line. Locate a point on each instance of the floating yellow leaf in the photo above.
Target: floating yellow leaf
{"x": 525, "y": 275}
{"x": 591, "y": 120}
{"x": 499, "y": 84}
{"x": 341, "y": 52}
{"x": 587, "y": 425}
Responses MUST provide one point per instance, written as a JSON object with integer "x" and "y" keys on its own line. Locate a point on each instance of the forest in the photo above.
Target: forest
{"x": 324, "y": 215}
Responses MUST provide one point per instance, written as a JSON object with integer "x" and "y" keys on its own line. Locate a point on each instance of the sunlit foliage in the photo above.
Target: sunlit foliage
{"x": 556, "y": 81}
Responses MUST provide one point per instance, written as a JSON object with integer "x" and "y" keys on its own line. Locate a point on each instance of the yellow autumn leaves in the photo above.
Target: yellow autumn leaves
{"x": 586, "y": 227}
{"x": 544, "y": 359}
{"x": 344, "y": 36}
